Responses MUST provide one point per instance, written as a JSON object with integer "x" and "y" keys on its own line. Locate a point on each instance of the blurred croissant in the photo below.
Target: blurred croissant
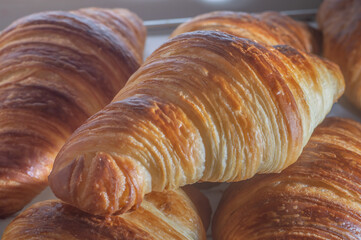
{"x": 168, "y": 215}
{"x": 205, "y": 106}
{"x": 56, "y": 70}
{"x": 318, "y": 197}
{"x": 270, "y": 28}
{"x": 340, "y": 22}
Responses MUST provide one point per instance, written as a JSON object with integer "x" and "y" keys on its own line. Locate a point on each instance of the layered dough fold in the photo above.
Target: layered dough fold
{"x": 56, "y": 70}
{"x": 205, "y": 106}
{"x": 168, "y": 215}
{"x": 316, "y": 198}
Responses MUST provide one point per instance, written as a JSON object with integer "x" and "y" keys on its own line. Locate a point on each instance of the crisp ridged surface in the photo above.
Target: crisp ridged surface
{"x": 270, "y": 28}
{"x": 56, "y": 70}
{"x": 318, "y": 197}
{"x": 205, "y": 106}
{"x": 168, "y": 215}
{"x": 340, "y": 22}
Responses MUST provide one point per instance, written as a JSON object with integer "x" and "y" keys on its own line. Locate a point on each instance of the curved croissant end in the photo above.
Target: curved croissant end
{"x": 56, "y": 70}
{"x": 318, "y": 197}
{"x": 205, "y": 106}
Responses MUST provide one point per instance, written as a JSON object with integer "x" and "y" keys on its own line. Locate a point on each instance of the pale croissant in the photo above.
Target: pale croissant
{"x": 56, "y": 70}
{"x": 340, "y": 22}
{"x": 167, "y": 215}
{"x": 316, "y": 198}
{"x": 270, "y": 28}
{"x": 205, "y": 106}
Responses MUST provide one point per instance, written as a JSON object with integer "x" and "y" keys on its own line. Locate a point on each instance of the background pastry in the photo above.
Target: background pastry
{"x": 270, "y": 28}
{"x": 318, "y": 197}
{"x": 167, "y": 215}
{"x": 340, "y": 22}
{"x": 56, "y": 70}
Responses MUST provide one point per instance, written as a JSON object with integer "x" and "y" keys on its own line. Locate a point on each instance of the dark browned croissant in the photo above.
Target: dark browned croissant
{"x": 318, "y": 197}
{"x": 56, "y": 70}
{"x": 270, "y": 28}
{"x": 340, "y": 22}
{"x": 205, "y": 106}
{"x": 168, "y": 215}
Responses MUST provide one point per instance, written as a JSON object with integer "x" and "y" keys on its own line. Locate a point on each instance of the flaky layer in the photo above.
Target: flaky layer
{"x": 270, "y": 28}
{"x": 56, "y": 70}
{"x": 169, "y": 215}
{"x": 340, "y": 22}
{"x": 205, "y": 106}
{"x": 318, "y": 197}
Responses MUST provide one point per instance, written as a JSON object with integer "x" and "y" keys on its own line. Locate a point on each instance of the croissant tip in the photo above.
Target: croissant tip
{"x": 97, "y": 184}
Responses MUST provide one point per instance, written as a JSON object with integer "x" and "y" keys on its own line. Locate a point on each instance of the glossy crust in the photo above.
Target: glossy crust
{"x": 318, "y": 197}
{"x": 205, "y": 106}
{"x": 340, "y": 22}
{"x": 56, "y": 70}
{"x": 270, "y": 28}
{"x": 169, "y": 215}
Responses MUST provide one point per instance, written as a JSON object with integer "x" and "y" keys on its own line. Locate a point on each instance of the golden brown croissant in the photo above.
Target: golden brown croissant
{"x": 56, "y": 70}
{"x": 318, "y": 197}
{"x": 167, "y": 215}
{"x": 340, "y": 22}
{"x": 205, "y": 106}
{"x": 270, "y": 28}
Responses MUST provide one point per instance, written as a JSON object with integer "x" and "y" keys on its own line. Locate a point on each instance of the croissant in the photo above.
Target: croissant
{"x": 318, "y": 197}
{"x": 167, "y": 215}
{"x": 270, "y": 28}
{"x": 340, "y": 23}
{"x": 56, "y": 70}
{"x": 204, "y": 106}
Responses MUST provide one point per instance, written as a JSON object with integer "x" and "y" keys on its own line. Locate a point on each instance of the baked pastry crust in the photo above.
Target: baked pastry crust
{"x": 340, "y": 22}
{"x": 56, "y": 70}
{"x": 318, "y": 197}
{"x": 205, "y": 106}
{"x": 270, "y": 28}
{"x": 168, "y": 215}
